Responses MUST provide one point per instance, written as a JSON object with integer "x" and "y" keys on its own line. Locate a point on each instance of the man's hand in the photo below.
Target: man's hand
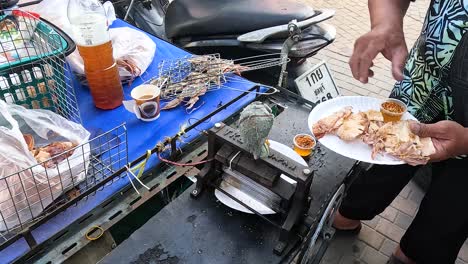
{"x": 384, "y": 39}
{"x": 450, "y": 138}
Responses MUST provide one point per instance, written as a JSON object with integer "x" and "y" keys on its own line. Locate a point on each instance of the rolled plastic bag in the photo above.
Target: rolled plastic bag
{"x": 27, "y": 186}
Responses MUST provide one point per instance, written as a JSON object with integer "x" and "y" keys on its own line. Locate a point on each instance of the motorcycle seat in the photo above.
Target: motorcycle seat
{"x": 227, "y": 17}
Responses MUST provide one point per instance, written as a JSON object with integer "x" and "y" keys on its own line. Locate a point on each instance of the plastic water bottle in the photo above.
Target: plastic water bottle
{"x": 90, "y": 33}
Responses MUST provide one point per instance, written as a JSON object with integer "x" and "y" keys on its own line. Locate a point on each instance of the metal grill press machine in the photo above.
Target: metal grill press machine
{"x": 275, "y": 180}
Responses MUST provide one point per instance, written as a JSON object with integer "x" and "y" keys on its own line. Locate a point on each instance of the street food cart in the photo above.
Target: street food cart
{"x": 133, "y": 164}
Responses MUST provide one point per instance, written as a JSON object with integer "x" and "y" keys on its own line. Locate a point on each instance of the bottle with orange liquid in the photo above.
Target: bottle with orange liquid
{"x": 90, "y": 32}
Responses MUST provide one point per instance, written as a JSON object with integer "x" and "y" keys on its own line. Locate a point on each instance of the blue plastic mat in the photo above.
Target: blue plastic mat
{"x": 141, "y": 136}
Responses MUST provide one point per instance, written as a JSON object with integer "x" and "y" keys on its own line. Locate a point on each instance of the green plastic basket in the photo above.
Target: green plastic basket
{"x": 33, "y": 70}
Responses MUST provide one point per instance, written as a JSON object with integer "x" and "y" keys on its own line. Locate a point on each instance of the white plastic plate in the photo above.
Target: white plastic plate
{"x": 357, "y": 149}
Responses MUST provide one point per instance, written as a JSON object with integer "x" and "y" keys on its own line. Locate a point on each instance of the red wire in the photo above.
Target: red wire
{"x": 182, "y": 164}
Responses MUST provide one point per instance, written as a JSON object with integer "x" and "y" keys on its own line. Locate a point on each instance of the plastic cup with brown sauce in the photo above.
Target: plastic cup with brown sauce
{"x": 392, "y": 110}
{"x": 304, "y": 144}
{"x": 146, "y": 98}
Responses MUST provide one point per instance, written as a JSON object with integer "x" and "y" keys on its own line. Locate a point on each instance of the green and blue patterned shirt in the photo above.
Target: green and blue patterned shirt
{"x": 425, "y": 88}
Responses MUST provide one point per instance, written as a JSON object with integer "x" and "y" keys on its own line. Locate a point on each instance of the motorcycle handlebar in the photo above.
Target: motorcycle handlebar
{"x": 35, "y": 2}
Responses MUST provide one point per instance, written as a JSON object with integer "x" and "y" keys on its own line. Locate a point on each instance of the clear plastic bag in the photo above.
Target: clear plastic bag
{"x": 26, "y": 187}
{"x": 133, "y": 51}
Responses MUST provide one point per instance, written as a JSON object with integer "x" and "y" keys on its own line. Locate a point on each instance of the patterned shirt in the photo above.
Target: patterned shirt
{"x": 425, "y": 88}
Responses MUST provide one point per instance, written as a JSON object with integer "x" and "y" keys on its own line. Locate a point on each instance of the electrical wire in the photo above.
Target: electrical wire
{"x": 133, "y": 185}
{"x": 234, "y": 157}
{"x": 182, "y": 164}
{"x": 196, "y": 119}
{"x": 129, "y": 171}
{"x": 141, "y": 166}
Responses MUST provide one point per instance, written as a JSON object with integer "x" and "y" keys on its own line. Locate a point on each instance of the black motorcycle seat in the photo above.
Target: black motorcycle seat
{"x": 230, "y": 17}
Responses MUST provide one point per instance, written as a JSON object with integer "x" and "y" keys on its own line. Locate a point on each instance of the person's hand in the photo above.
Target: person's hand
{"x": 449, "y": 138}
{"x": 389, "y": 41}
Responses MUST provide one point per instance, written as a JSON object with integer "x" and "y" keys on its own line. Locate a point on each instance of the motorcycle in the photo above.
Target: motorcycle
{"x": 238, "y": 29}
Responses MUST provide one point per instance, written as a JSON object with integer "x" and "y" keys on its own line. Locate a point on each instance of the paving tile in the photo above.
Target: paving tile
{"x": 350, "y": 260}
{"x": 372, "y": 87}
{"x": 384, "y": 93}
{"x": 331, "y": 257}
{"x": 346, "y": 92}
{"x": 340, "y": 69}
{"x": 372, "y": 223}
{"x": 343, "y": 246}
{"x": 388, "y": 247}
{"x": 416, "y": 196}
{"x": 390, "y": 213}
{"x": 390, "y": 230}
{"x": 385, "y": 84}
{"x": 371, "y": 237}
{"x": 358, "y": 248}
{"x": 406, "y": 191}
{"x": 407, "y": 206}
{"x": 370, "y": 255}
{"x": 339, "y": 57}
{"x": 403, "y": 220}
{"x": 351, "y": 87}
{"x": 463, "y": 254}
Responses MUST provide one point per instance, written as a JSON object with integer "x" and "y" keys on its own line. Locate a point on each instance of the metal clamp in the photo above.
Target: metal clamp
{"x": 294, "y": 37}
{"x": 294, "y": 31}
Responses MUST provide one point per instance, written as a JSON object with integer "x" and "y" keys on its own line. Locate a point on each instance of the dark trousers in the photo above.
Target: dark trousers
{"x": 441, "y": 224}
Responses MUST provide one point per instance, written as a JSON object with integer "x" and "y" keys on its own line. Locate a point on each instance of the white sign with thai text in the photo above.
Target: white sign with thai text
{"x": 317, "y": 84}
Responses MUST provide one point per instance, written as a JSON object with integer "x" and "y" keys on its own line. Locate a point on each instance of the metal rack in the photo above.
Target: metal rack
{"x": 32, "y": 193}
{"x": 35, "y": 75}
{"x": 195, "y": 75}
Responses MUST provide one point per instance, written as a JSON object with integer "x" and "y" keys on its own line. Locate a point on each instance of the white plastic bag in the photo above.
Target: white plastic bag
{"x": 133, "y": 50}
{"x": 26, "y": 191}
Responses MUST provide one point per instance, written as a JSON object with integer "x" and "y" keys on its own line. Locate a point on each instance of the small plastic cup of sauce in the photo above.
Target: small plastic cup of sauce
{"x": 392, "y": 110}
{"x": 304, "y": 144}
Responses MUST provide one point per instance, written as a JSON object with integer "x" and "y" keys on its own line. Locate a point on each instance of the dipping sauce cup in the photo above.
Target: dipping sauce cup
{"x": 304, "y": 144}
{"x": 392, "y": 110}
{"x": 146, "y": 97}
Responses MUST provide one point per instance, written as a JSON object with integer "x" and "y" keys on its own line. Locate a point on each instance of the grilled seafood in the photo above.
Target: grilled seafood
{"x": 203, "y": 72}
{"x": 330, "y": 123}
{"x": 353, "y": 126}
{"x": 394, "y": 138}
{"x": 130, "y": 66}
{"x": 375, "y": 122}
{"x": 397, "y": 139}
{"x": 51, "y": 155}
{"x": 29, "y": 141}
